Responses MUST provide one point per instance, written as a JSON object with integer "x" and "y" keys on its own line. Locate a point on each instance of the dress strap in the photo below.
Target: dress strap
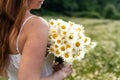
{"x": 17, "y": 48}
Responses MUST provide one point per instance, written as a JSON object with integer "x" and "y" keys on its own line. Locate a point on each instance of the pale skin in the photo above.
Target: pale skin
{"x": 32, "y": 46}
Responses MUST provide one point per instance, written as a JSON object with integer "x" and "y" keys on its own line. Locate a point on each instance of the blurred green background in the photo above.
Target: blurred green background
{"x": 101, "y": 21}
{"x": 109, "y": 9}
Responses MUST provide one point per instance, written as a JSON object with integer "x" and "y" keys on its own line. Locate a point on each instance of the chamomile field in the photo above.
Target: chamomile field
{"x": 103, "y": 62}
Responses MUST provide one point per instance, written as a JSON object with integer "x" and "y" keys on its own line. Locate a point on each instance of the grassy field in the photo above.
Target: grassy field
{"x": 102, "y": 63}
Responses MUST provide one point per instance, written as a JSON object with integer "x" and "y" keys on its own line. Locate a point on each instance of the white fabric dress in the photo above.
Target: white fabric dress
{"x": 15, "y": 60}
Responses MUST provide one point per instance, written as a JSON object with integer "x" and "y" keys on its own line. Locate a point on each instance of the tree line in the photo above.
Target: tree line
{"x": 83, "y": 8}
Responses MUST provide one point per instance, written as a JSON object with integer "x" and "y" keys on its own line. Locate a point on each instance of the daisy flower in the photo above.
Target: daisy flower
{"x": 67, "y": 56}
{"x": 68, "y": 40}
{"x": 87, "y": 40}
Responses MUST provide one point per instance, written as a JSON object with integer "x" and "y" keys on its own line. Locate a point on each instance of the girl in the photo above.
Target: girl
{"x": 23, "y": 43}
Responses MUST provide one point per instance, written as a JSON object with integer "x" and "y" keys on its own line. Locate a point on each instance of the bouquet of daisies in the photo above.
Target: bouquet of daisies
{"x": 68, "y": 40}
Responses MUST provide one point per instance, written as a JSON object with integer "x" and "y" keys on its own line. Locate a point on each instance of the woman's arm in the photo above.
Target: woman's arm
{"x": 34, "y": 51}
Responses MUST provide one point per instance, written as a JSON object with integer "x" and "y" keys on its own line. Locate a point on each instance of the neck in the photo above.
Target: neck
{"x": 27, "y": 13}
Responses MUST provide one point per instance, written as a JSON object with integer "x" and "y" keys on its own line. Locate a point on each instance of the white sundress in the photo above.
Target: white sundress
{"x": 12, "y": 71}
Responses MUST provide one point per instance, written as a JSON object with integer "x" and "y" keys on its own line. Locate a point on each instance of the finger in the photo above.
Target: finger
{"x": 67, "y": 73}
{"x": 70, "y": 72}
{"x": 66, "y": 70}
{"x": 67, "y": 65}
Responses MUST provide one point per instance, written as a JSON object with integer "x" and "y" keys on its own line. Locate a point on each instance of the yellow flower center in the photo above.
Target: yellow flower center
{"x": 78, "y": 54}
{"x": 53, "y": 31}
{"x": 77, "y": 44}
{"x": 58, "y": 41}
{"x": 63, "y": 27}
{"x": 56, "y": 46}
{"x": 79, "y": 29}
{"x": 64, "y": 32}
{"x": 80, "y": 37}
{"x": 58, "y": 23}
{"x": 67, "y": 55}
{"x": 65, "y": 41}
{"x": 52, "y": 23}
{"x": 62, "y": 48}
{"x": 71, "y": 37}
{"x": 55, "y": 36}
{"x": 85, "y": 40}
{"x": 68, "y": 46}
{"x": 57, "y": 52}
{"x": 63, "y": 37}
{"x": 51, "y": 49}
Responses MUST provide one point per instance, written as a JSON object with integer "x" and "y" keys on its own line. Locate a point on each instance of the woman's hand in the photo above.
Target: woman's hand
{"x": 63, "y": 73}
{"x": 67, "y": 70}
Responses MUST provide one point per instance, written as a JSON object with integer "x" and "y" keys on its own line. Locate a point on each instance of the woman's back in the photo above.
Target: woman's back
{"x": 15, "y": 57}
{"x": 29, "y": 23}
{"x": 22, "y": 36}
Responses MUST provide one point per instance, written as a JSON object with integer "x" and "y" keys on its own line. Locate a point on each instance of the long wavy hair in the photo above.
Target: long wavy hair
{"x": 12, "y": 13}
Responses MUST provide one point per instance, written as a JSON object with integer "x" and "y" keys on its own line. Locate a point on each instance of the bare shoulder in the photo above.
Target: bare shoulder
{"x": 36, "y": 25}
{"x": 39, "y": 21}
